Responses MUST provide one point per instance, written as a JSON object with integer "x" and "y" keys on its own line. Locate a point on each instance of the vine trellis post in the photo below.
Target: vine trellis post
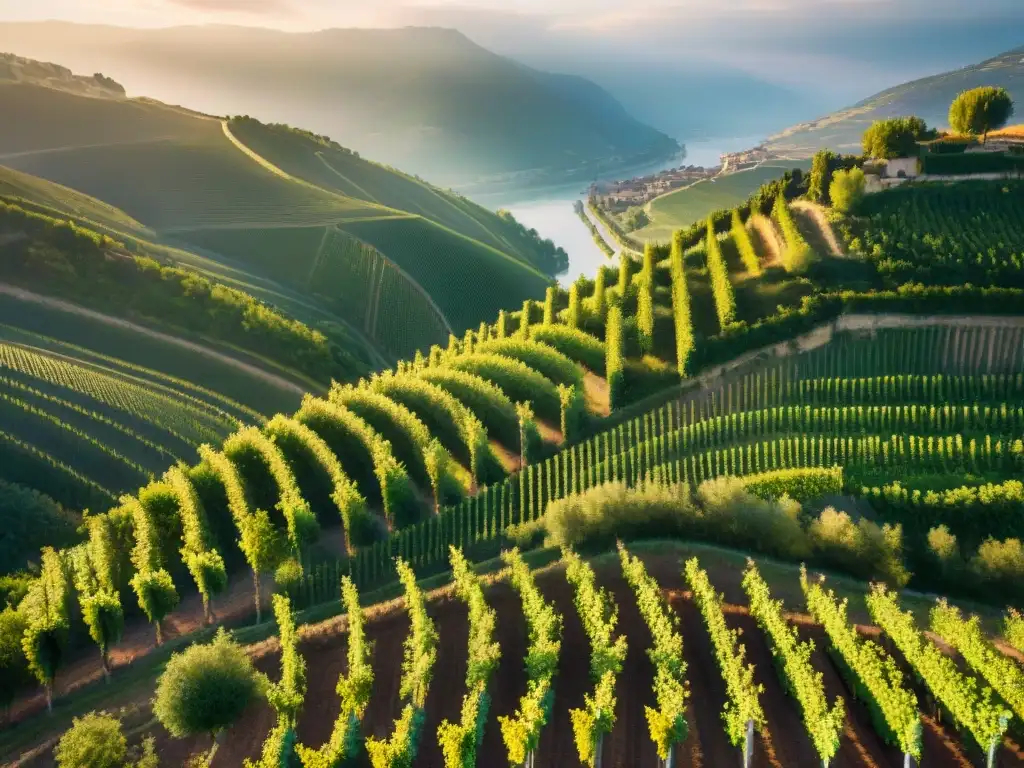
{"x": 748, "y": 746}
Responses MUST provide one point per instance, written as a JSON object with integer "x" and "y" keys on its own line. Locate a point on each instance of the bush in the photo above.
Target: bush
{"x": 734, "y": 517}
{"x": 1001, "y": 562}
{"x": 860, "y": 548}
{"x": 803, "y": 485}
{"x": 206, "y": 688}
{"x": 93, "y": 741}
{"x": 596, "y": 518}
{"x": 894, "y": 137}
{"x": 847, "y": 189}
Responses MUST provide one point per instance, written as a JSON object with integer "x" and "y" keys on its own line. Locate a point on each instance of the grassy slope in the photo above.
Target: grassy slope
{"x": 178, "y": 175}
{"x": 928, "y": 97}
{"x": 679, "y": 209}
{"x": 361, "y": 179}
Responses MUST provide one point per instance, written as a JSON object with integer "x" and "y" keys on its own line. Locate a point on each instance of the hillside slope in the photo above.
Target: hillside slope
{"x": 424, "y": 99}
{"x": 146, "y": 170}
{"x": 928, "y": 97}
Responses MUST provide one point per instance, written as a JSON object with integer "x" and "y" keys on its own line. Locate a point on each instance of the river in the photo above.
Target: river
{"x": 552, "y": 215}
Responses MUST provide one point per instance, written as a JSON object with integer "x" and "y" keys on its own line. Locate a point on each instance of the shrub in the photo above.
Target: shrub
{"x": 803, "y": 485}
{"x": 599, "y": 516}
{"x": 206, "y": 688}
{"x": 1000, "y": 561}
{"x": 573, "y": 343}
{"x": 735, "y": 517}
{"x": 894, "y": 137}
{"x": 860, "y": 548}
{"x": 980, "y": 110}
{"x": 614, "y": 358}
{"x": 798, "y": 255}
{"x": 93, "y": 741}
{"x": 30, "y": 521}
{"x": 847, "y": 189}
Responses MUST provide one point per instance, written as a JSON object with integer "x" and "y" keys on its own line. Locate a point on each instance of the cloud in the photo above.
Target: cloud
{"x": 243, "y": 7}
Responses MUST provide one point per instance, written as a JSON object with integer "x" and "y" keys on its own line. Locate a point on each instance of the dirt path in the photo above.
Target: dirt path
{"x": 64, "y": 306}
{"x": 784, "y": 744}
{"x": 816, "y": 213}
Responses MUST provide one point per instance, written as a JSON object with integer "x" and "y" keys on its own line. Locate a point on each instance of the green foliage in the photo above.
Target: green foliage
{"x": 517, "y": 379}
{"x": 599, "y": 615}
{"x": 14, "y": 671}
{"x": 793, "y": 662}
{"x": 721, "y": 287}
{"x": 30, "y": 520}
{"x": 93, "y": 741}
{"x": 521, "y": 731}
{"x": 399, "y": 751}
{"x": 47, "y": 609}
{"x": 66, "y": 259}
{"x": 820, "y": 179}
{"x": 972, "y": 707}
{"x": 486, "y": 401}
{"x": 894, "y": 137}
{"x": 862, "y": 548}
{"x": 615, "y": 358}
{"x": 797, "y": 256}
{"x": 1014, "y": 629}
{"x": 301, "y": 524}
{"x": 645, "y": 312}
{"x": 667, "y": 723}
{"x": 745, "y": 246}
{"x": 199, "y": 554}
{"x": 205, "y": 688}
{"x": 102, "y": 614}
{"x": 876, "y": 678}
{"x": 460, "y": 741}
{"x": 354, "y": 687}
{"x": 574, "y": 312}
{"x": 965, "y": 635}
{"x": 349, "y": 501}
{"x": 803, "y": 485}
{"x": 847, "y": 190}
{"x": 577, "y": 345}
{"x": 635, "y": 218}
{"x": 529, "y": 437}
{"x": 743, "y": 704}
{"x": 438, "y": 463}
{"x": 574, "y": 412}
{"x": 543, "y": 359}
{"x": 549, "y": 306}
{"x": 980, "y": 110}
{"x": 392, "y": 421}
{"x": 681, "y": 315}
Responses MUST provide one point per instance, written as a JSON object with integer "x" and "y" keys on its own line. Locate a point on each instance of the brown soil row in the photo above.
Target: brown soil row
{"x": 784, "y": 744}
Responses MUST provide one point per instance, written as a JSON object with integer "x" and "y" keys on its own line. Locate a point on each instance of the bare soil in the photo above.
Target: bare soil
{"x": 784, "y": 743}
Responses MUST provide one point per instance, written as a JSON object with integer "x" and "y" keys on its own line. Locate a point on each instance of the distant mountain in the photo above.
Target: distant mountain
{"x": 425, "y": 99}
{"x": 928, "y": 97}
{"x": 289, "y": 216}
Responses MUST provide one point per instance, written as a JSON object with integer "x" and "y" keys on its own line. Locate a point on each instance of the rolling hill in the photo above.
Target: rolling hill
{"x": 928, "y": 98}
{"x": 265, "y": 217}
{"x": 427, "y": 100}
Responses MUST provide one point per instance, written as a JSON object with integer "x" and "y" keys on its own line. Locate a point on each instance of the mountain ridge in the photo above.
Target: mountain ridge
{"x": 425, "y": 99}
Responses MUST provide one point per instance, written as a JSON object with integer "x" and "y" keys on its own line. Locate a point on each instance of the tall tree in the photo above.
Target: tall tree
{"x": 894, "y": 137}
{"x": 47, "y": 608}
{"x": 980, "y": 110}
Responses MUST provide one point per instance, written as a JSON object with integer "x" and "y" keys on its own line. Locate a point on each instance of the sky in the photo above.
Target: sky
{"x": 832, "y": 52}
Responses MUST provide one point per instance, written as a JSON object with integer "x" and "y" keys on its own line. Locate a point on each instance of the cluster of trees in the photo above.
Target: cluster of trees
{"x": 895, "y": 137}
{"x": 635, "y": 218}
{"x": 62, "y": 258}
